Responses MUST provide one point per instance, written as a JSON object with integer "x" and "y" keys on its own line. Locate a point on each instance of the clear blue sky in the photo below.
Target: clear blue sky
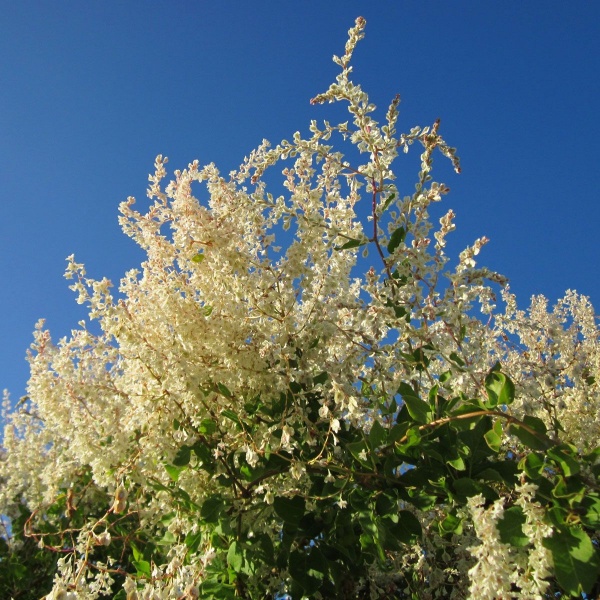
{"x": 91, "y": 92}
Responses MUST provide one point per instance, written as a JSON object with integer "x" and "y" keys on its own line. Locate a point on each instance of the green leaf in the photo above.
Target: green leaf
{"x": 500, "y": 389}
{"x": 215, "y": 589}
{"x": 419, "y": 358}
{"x": 571, "y": 489}
{"x": 445, "y": 376}
{"x": 223, "y": 389}
{"x": 174, "y": 472}
{"x": 568, "y": 465}
{"x": 182, "y": 458}
{"x": 168, "y": 539}
{"x": 387, "y": 202}
{"x": 247, "y": 472}
{"x": 457, "y": 359}
{"x": 502, "y": 472}
{"x": 137, "y": 555}
{"x": 535, "y": 423}
{"x": 211, "y": 508}
{"x": 350, "y": 244}
{"x": 408, "y": 529}
{"x": 529, "y": 439}
{"x": 290, "y": 510}
{"x": 235, "y": 557}
{"x": 386, "y": 506}
{"x": 206, "y": 460}
{"x": 493, "y": 437}
{"x": 377, "y": 435}
{"x": 400, "y": 311}
{"x": 358, "y": 450}
{"x": 457, "y": 463}
{"x": 143, "y": 567}
{"x": 192, "y": 541}
{"x": 511, "y": 527}
{"x": 591, "y": 507}
{"x": 264, "y": 546}
{"x": 397, "y": 432}
{"x": 207, "y": 427}
{"x": 396, "y": 239}
{"x": 434, "y": 399}
{"x": 321, "y": 378}
{"x": 557, "y": 516}
{"x": 576, "y": 563}
{"x": 462, "y": 407}
{"x": 418, "y": 409}
{"x": 167, "y": 518}
{"x": 413, "y": 438}
{"x": 388, "y": 407}
{"x": 451, "y": 524}
{"x": 253, "y": 406}
{"x": 532, "y": 464}
{"x": 467, "y": 487}
{"x": 308, "y": 570}
{"x": 229, "y": 414}
{"x": 198, "y": 258}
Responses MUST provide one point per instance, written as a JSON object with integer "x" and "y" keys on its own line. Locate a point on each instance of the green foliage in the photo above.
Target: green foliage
{"x": 576, "y": 560}
{"x": 26, "y": 571}
{"x": 29, "y": 555}
{"x": 435, "y": 455}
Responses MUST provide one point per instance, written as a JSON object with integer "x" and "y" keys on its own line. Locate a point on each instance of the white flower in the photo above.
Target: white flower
{"x": 297, "y": 470}
{"x": 208, "y": 556}
{"x": 252, "y": 457}
{"x": 216, "y": 358}
{"x": 104, "y": 538}
{"x": 287, "y": 434}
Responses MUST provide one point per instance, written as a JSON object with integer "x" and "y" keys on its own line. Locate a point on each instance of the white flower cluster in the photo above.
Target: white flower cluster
{"x": 553, "y": 356}
{"x": 246, "y": 297}
{"x": 503, "y": 571}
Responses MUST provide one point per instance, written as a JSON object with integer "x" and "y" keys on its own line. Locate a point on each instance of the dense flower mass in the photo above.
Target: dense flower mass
{"x": 299, "y": 393}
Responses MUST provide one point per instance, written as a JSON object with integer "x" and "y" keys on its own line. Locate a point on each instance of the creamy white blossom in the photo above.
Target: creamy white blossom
{"x": 210, "y": 385}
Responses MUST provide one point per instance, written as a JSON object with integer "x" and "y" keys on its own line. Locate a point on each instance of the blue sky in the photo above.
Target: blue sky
{"x": 92, "y": 91}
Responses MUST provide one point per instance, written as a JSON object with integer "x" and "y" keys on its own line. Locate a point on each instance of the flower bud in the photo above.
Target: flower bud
{"x": 120, "y": 503}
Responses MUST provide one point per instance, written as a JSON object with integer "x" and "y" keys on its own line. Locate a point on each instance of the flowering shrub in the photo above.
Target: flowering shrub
{"x": 298, "y": 394}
